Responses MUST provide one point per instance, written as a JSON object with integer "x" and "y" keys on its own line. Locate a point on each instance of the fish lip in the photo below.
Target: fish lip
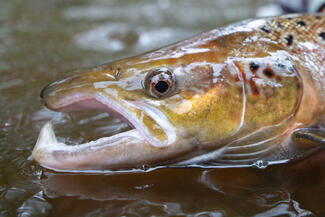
{"x": 116, "y": 108}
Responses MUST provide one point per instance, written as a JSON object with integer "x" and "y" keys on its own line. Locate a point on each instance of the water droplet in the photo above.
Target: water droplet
{"x": 260, "y": 164}
{"x": 145, "y": 167}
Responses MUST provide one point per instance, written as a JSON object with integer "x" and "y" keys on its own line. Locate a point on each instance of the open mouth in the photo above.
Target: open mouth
{"x": 131, "y": 149}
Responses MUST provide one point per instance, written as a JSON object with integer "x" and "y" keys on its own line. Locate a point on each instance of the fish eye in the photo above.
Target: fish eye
{"x": 160, "y": 82}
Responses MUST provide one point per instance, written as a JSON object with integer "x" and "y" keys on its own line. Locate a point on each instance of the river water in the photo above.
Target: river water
{"x": 41, "y": 41}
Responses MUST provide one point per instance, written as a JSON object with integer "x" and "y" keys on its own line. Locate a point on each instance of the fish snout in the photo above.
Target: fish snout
{"x": 51, "y": 93}
{"x": 77, "y": 88}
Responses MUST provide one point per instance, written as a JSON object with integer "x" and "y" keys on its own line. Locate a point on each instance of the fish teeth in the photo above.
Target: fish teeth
{"x": 47, "y": 133}
{"x": 45, "y": 143}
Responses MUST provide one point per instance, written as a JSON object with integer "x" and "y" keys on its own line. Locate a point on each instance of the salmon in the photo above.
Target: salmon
{"x": 250, "y": 94}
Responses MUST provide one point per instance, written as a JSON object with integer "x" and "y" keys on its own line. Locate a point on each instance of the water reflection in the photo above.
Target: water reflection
{"x": 276, "y": 191}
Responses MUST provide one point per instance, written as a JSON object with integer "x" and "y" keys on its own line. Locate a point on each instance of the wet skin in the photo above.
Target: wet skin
{"x": 249, "y": 94}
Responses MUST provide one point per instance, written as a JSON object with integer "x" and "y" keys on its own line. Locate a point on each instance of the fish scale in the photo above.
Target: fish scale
{"x": 302, "y": 28}
{"x": 304, "y": 36}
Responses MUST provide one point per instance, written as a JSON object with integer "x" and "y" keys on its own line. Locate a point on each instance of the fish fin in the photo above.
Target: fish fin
{"x": 248, "y": 155}
{"x": 275, "y": 150}
{"x": 303, "y": 142}
{"x": 240, "y": 153}
{"x": 306, "y": 138}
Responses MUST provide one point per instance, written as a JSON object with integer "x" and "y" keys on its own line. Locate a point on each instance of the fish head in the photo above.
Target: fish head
{"x": 182, "y": 101}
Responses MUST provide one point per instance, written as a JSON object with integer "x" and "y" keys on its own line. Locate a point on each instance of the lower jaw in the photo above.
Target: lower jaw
{"x": 114, "y": 152}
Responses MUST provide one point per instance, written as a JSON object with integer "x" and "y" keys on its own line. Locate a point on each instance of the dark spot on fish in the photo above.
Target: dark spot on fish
{"x": 301, "y": 23}
{"x": 279, "y": 25}
{"x": 317, "y": 17}
{"x": 289, "y": 39}
{"x": 266, "y": 29}
{"x": 253, "y": 66}
{"x": 254, "y": 88}
{"x": 268, "y": 73}
{"x": 322, "y": 35}
{"x": 281, "y": 65}
{"x": 118, "y": 73}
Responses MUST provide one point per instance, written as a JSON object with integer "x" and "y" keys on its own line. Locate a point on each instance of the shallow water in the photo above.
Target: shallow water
{"x": 41, "y": 41}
